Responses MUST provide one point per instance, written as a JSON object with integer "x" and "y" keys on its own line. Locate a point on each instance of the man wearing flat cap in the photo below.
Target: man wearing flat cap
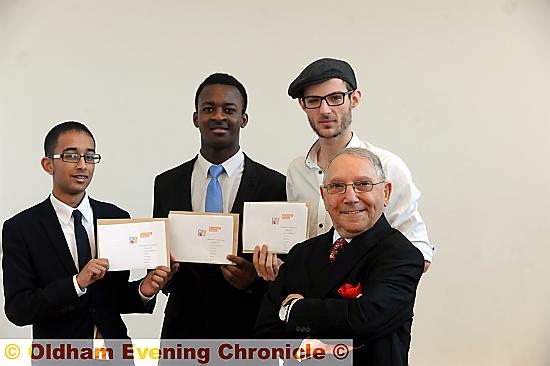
{"x": 327, "y": 92}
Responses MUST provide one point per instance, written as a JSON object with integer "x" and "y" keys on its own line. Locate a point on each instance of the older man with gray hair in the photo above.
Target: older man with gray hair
{"x": 356, "y": 281}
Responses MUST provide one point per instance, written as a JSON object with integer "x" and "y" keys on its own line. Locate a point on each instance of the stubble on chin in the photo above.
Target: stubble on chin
{"x": 336, "y": 133}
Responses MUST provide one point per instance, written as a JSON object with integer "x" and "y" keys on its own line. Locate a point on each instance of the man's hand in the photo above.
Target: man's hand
{"x": 174, "y": 266}
{"x": 154, "y": 281}
{"x": 241, "y": 275}
{"x": 266, "y": 264}
{"x": 94, "y": 270}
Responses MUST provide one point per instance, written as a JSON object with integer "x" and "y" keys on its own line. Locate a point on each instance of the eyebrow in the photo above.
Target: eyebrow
{"x": 207, "y": 102}
{"x": 75, "y": 148}
{"x": 360, "y": 179}
{"x": 326, "y": 95}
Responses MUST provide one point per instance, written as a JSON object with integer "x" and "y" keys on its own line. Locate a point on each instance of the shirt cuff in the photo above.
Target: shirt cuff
{"x": 79, "y": 291}
{"x": 284, "y": 311}
{"x": 290, "y": 308}
{"x": 144, "y": 298}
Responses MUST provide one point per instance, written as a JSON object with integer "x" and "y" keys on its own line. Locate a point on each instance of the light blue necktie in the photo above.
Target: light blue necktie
{"x": 214, "y": 201}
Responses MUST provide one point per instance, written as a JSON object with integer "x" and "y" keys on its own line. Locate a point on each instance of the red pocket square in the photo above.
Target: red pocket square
{"x": 349, "y": 291}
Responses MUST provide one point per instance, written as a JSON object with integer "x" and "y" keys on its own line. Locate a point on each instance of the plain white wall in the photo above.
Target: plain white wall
{"x": 459, "y": 89}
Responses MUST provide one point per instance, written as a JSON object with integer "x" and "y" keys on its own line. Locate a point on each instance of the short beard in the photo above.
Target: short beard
{"x": 345, "y": 123}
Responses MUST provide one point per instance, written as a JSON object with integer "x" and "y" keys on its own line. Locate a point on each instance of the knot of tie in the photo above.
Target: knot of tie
{"x": 77, "y": 215}
{"x": 336, "y": 246}
{"x": 215, "y": 170}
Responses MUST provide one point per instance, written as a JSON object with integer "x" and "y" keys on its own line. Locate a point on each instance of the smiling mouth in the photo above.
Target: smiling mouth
{"x": 354, "y": 212}
{"x": 80, "y": 177}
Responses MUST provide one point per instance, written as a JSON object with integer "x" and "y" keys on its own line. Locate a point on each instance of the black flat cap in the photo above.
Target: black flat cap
{"x": 319, "y": 71}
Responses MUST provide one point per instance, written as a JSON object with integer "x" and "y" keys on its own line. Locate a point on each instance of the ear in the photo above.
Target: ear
{"x": 47, "y": 165}
{"x": 196, "y": 119}
{"x": 301, "y": 103}
{"x": 244, "y": 120}
{"x": 322, "y": 189}
{"x": 387, "y": 193}
{"x": 355, "y": 98}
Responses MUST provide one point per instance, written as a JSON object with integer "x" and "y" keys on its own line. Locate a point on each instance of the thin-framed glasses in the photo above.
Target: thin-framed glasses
{"x": 358, "y": 187}
{"x": 333, "y": 99}
{"x": 75, "y": 158}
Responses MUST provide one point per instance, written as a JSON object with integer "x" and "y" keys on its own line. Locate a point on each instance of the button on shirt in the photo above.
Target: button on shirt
{"x": 229, "y": 180}
{"x": 304, "y": 177}
{"x": 64, "y": 214}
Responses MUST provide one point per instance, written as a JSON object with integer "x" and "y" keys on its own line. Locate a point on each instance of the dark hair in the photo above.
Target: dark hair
{"x": 50, "y": 142}
{"x": 223, "y": 79}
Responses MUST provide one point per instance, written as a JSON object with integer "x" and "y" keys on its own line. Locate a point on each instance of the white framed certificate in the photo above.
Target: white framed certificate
{"x": 203, "y": 237}
{"x": 133, "y": 243}
{"x": 279, "y": 225}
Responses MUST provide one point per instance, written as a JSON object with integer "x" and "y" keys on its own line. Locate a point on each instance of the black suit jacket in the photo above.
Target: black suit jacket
{"x": 38, "y": 280}
{"x": 387, "y": 266}
{"x": 202, "y": 304}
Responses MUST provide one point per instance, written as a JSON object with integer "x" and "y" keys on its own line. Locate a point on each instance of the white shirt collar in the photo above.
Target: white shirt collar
{"x": 231, "y": 165}
{"x": 311, "y": 158}
{"x": 64, "y": 212}
{"x": 337, "y": 236}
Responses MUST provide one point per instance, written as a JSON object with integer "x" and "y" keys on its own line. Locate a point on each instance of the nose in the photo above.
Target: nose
{"x": 81, "y": 163}
{"x": 324, "y": 107}
{"x": 219, "y": 115}
{"x": 350, "y": 196}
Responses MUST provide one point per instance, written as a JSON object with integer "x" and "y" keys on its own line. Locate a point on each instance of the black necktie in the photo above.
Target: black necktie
{"x": 82, "y": 241}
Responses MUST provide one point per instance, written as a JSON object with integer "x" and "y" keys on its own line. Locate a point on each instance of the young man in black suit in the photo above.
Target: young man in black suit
{"x": 213, "y": 301}
{"x": 52, "y": 278}
{"x": 358, "y": 280}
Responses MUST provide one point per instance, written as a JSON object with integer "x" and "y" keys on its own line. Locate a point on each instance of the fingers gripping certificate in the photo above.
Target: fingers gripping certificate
{"x": 280, "y": 225}
{"x": 203, "y": 237}
{"x": 133, "y": 243}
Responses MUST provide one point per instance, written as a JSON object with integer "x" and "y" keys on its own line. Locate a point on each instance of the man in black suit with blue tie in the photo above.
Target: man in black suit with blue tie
{"x": 213, "y": 301}
{"x": 356, "y": 281}
{"x": 52, "y": 277}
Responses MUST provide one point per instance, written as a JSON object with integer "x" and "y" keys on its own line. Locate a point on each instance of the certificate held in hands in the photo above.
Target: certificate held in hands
{"x": 279, "y": 225}
{"x": 203, "y": 237}
{"x": 133, "y": 243}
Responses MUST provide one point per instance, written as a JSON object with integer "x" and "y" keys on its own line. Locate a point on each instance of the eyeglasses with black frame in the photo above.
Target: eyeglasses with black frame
{"x": 359, "y": 187}
{"x": 75, "y": 158}
{"x": 332, "y": 99}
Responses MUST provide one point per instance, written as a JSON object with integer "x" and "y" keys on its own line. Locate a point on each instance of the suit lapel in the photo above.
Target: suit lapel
{"x": 318, "y": 263}
{"x": 247, "y": 187}
{"x": 51, "y": 226}
{"x": 182, "y": 189}
{"x": 96, "y": 212}
{"x": 348, "y": 256}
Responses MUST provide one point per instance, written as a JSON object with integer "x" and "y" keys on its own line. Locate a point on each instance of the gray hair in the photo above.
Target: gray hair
{"x": 362, "y": 153}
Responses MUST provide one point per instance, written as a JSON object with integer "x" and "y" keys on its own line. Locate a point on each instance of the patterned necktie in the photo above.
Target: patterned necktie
{"x": 214, "y": 201}
{"x": 338, "y": 244}
{"x": 82, "y": 241}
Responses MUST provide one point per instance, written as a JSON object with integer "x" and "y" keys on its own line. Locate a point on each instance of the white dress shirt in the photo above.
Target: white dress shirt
{"x": 64, "y": 214}
{"x": 304, "y": 177}
{"x": 230, "y": 181}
